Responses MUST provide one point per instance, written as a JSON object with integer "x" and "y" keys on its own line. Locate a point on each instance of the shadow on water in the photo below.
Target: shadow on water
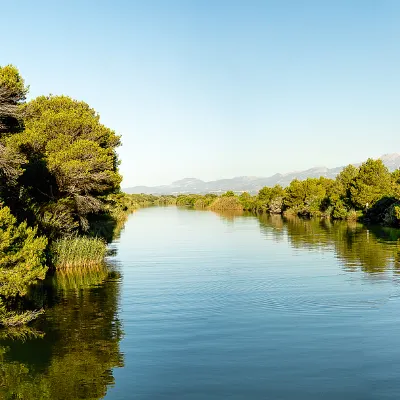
{"x": 70, "y": 352}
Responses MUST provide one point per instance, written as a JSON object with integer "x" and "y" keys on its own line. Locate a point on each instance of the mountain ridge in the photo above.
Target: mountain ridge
{"x": 251, "y": 184}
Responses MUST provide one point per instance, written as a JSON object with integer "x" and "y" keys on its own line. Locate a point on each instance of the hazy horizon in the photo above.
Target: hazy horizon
{"x": 266, "y": 176}
{"x": 221, "y": 89}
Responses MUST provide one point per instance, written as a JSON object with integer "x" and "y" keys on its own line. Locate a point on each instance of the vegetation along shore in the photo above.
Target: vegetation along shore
{"x": 369, "y": 193}
{"x": 60, "y": 198}
{"x": 61, "y": 202}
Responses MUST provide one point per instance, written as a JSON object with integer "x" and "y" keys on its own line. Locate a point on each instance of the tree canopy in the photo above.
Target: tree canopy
{"x": 372, "y": 182}
{"x": 72, "y": 162}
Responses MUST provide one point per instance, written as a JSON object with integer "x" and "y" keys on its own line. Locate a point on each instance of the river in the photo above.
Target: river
{"x": 199, "y": 305}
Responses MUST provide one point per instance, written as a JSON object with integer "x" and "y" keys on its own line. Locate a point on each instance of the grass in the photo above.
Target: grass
{"x": 78, "y": 252}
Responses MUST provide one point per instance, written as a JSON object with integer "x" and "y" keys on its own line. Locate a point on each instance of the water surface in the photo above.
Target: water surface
{"x": 205, "y": 306}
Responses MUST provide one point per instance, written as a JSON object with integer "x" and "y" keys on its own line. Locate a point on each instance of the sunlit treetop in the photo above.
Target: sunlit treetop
{"x": 11, "y": 80}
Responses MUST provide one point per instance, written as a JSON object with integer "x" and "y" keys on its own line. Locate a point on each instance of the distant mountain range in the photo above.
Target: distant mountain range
{"x": 250, "y": 184}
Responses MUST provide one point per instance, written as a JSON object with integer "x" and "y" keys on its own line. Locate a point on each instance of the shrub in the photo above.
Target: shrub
{"x": 352, "y": 215}
{"x": 226, "y": 203}
{"x": 21, "y": 255}
{"x": 21, "y": 265}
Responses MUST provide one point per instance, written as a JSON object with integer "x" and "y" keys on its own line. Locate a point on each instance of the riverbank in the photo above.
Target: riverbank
{"x": 368, "y": 193}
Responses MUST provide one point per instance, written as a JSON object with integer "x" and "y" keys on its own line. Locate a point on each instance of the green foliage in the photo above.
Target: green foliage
{"x": 12, "y": 93}
{"x": 189, "y": 200}
{"x": 372, "y": 183}
{"x": 72, "y": 162}
{"x": 270, "y": 199}
{"x": 120, "y": 204}
{"x": 308, "y": 197}
{"x": 78, "y": 252}
{"x": 165, "y": 200}
{"x": 144, "y": 200}
{"x": 21, "y": 255}
{"x": 385, "y": 211}
{"x": 204, "y": 202}
{"x": 59, "y": 172}
{"x": 11, "y": 80}
{"x": 247, "y": 201}
{"x": 397, "y": 212}
{"x": 340, "y": 197}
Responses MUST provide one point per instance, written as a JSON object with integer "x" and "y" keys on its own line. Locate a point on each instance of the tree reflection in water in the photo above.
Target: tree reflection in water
{"x": 371, "y": 249}
{"x": 70, "y": 352}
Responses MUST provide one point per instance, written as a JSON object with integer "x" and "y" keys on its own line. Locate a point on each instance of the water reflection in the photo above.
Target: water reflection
{"x": 202, "y": 309}
{"x": 69, "y": 353}
{"x": 371, "y": 249}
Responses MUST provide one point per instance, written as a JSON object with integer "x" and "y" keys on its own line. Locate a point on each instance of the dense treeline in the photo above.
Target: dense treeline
{"x": 60, "y": 199}
{"x": 369, "y": 192}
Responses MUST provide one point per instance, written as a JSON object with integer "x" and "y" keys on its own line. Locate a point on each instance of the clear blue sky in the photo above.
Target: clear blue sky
{"x": 219, "y": 88}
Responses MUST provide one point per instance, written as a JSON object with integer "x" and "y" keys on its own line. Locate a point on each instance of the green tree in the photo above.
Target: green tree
{"x": 246, "y": 200}
{"x": 396, "y": 183}
{"x": 372, "y": 183}
{"x": 340, "y": 196}
{"x": 306, "y": 197}
{"x": 72, "y": 163}
{"x": 277, "y": 196}
{"x": 270, "y": 199}
{"x": 12, "y": 94}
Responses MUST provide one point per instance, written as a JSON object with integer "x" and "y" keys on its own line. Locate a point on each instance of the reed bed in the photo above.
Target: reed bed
{"x": 226, "y": 203}
{"x": 78, "y": 252}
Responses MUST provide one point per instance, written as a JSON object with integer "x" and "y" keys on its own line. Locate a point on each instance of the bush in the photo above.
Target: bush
{"x": 226, "y": 203}
{"x": 352, "y": 215}
{"x": 22, "y": 258}
{"x": 21, "y": 264}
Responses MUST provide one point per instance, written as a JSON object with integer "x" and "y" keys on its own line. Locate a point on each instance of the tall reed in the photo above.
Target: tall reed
{"x": 78, "y": 252}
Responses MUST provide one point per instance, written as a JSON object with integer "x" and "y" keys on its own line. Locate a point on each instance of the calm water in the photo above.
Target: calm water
{"x": 198, "y": 305}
